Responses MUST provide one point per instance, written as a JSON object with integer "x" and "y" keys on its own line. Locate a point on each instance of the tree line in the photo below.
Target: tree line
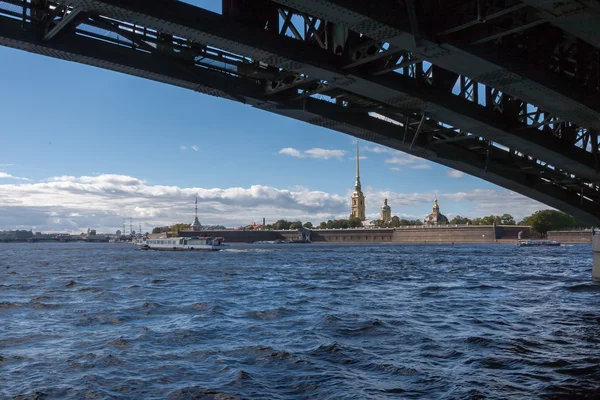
{"x": 540, "y": 222}
{"x": 185, "y": 227}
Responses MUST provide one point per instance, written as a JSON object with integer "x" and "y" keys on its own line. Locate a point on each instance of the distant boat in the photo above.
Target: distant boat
{"x": 183, "y": 244}
{"x": 536, "y": 243}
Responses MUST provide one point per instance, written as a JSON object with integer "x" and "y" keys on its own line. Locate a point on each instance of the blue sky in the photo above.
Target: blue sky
{"x": 66, "y": 119}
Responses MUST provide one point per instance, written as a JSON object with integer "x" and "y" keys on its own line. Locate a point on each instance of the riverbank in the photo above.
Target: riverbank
{"x": 446, "y": 234}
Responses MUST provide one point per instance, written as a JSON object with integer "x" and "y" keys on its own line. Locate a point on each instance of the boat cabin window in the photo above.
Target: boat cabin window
{"x": 185, "y": 241}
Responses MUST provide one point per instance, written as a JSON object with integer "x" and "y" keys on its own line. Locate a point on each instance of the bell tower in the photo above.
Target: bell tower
{"x": 358, "y": 198}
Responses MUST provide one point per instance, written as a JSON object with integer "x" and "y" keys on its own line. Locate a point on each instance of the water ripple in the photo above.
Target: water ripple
{"x": 298, "y": 321}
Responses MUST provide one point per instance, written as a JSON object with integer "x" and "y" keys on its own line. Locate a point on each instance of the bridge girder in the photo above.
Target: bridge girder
{"x": 343, "y": 110}
{"x": 183, "y": 20}
{"x": 389, "y": 22}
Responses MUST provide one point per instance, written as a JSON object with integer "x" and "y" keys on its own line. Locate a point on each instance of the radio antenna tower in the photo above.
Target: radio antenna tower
{"x": 130, "y": 226}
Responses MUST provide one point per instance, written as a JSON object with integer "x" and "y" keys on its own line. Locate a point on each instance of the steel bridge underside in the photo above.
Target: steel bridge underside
{"x": 504, "y": 90}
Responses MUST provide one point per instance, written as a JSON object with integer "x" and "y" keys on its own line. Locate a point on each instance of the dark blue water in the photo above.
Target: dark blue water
{"x": 298, "y": 321}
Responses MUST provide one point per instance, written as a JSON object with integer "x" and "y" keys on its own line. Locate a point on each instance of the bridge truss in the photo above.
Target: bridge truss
{"x": 504, "y": 90}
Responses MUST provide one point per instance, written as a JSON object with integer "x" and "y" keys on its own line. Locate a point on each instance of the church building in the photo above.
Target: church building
{"x": 386, "y": 212}
{"x": 358, "y": 198}
{"x": 435, "y": 218}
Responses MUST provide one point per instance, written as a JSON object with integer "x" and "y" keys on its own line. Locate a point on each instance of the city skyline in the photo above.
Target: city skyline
{"x": 126, "y": 147}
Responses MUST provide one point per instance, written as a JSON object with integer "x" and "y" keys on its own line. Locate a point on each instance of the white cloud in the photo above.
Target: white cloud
{"x": 182, "y": 147}
{"x": 473, "y": 203}
{"x": 101, "y": 202}
{"x": 395, "y": 169}
{"x": 4, "y": 175}
{"x": 492, "y": 201}
{"x": 380, "y": 150}
{"x": 455, "y": 174}
{"x": 404, "y": 159}
{"x": 421, "y": 166}
{"x": 290, "y": 151}
{"x": 195, "y": 148}
{"x": 359, "y": 157}
{"x": 323, "y": 154}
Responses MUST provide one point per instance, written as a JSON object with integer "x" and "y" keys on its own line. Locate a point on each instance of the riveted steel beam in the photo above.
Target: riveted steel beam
{"x": 183, "y": 20}
{"x": 580, "y": 18}
{"x": 64, "y": 22}
{"x": 527, "y": 83}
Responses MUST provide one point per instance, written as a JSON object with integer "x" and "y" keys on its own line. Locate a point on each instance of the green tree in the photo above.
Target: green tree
{"x": 551, "y": 220}
{"x": 396, "y": 222}
{"x": 281, "y": 224}
{"x": 507, "y": 219}
{"x": 323, "y": 225}
{"x": 458, "y": 220}
{"x": 354, "y": 223}
{"x": 377, "y": 222}
{"x": 308, "y": 225}
{"x": 295, "y": 225}
{"x": 179, "y": 227}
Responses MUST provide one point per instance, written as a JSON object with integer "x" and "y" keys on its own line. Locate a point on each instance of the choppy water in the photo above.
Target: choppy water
{"x": 298, "y": 321}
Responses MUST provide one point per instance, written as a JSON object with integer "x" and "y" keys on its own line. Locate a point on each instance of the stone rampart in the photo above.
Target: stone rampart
{"x": 423, "y": 234}
{"x": 352, "y": 235}
{"x": 231, "y": 236}
{"x": 445, "y": 234}
{"x": 409, "y": 234}
{"x": 573, "y": 237}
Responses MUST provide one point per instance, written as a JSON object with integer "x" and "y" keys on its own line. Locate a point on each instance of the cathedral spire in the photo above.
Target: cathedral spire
{"x": 357, "y": 185}
{"x": 358, "y": 198}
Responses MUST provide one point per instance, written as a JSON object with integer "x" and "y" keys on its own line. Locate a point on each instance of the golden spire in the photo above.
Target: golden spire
{"x": 357, "y": 184}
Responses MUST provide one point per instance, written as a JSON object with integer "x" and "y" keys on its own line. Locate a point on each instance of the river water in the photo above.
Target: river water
{"x": 88, "y": 320}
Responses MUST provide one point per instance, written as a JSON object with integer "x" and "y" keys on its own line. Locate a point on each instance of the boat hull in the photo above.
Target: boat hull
{"x": 189, "y": 248}
{"x": 540, "y": 243}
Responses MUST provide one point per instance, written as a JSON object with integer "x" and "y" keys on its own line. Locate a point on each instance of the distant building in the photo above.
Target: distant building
{"x": 118, "y": 233}
{"x": 253, "y": 227}
{"x": 435, "y": 218}
{"x": 386, "y": 212}
{"x": 358, "y": 198}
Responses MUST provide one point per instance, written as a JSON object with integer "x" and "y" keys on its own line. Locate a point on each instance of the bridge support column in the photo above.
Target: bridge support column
{"x": 596, "y": 250}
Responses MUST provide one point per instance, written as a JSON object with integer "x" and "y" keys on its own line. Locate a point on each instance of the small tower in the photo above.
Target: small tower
{"x": 358, "y": 198}
{"x": 386, "y": 212}
{"x": 196, "y": 226}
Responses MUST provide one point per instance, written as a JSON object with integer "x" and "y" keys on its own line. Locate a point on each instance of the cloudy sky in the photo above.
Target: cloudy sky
{"x": 82, "y": 147}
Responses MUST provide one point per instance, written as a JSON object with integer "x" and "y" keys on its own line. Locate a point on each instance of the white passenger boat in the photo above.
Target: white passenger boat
{"x": 184, "y": 244}
{"x": 536, "y": 243}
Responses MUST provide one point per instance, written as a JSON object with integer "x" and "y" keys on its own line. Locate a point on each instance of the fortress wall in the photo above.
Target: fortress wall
{"x": 417, "y": 235}
{"x": 512, "y": 232}
{"x": 352, "y": 235}
{"x": 467, "y": 234}
{"x": 573, "y": 237}
{"x": 231, "y": 236}
{"x": 237, "y": 236}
